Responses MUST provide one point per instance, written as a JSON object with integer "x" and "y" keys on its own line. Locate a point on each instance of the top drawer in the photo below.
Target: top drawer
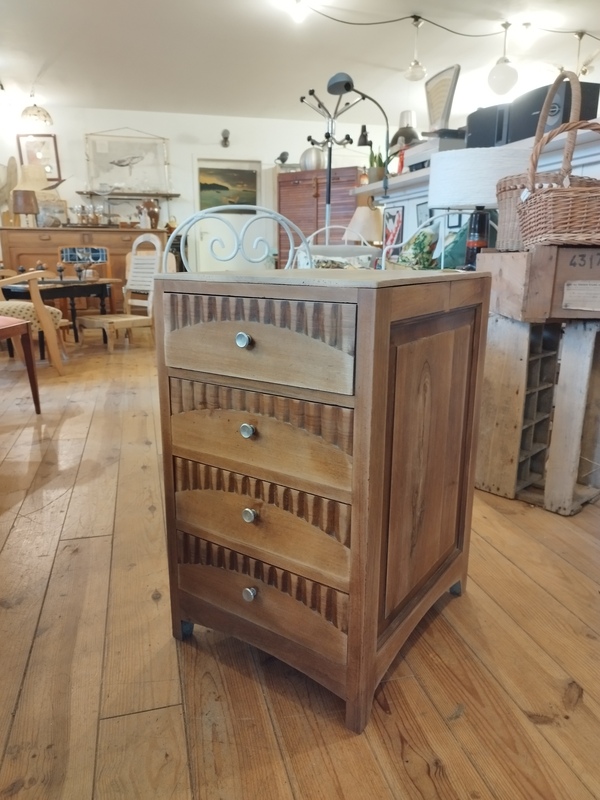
{"x": 292, "y": 342}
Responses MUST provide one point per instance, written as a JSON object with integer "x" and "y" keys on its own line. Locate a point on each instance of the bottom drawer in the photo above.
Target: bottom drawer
{"x": 289, "y": 605}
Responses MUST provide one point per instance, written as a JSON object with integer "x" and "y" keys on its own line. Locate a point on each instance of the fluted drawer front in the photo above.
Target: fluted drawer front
{"x": 291, "y": 342}
{"x": 294, "y": 530}
{"x": 290, "y": 605}
{"x": 291, "y": 442}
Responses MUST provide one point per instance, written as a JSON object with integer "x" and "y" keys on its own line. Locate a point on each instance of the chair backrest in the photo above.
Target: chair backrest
{"x": 143, "y": 264}
{"x": 86, "y": 256}
{"x": 231, "y": 243}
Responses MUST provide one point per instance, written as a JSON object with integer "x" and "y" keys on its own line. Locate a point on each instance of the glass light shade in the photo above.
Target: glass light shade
{"x": 37, "y": 114}
{"x": 415, "y": 72}
{"x": 503, "y": 76}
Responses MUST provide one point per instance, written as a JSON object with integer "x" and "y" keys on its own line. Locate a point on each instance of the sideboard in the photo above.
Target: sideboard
{"x": 26, "y": 246}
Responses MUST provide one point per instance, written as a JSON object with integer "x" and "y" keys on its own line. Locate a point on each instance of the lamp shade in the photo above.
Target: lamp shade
{"x": 366, "y": 222}
{"x": 24, "y": 201}
{"x": 36, "y": 114}
{"x": 463, "y": 179}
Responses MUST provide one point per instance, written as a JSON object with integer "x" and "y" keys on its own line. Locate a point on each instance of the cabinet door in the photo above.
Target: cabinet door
{"x": 298, "y": 197}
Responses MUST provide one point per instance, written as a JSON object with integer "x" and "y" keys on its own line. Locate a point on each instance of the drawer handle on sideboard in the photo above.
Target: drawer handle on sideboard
{"x": 247, "y": 430}
{"x": 249, "y": 593}
{"x": 249, "y": 515}
{"x": 243, "y": 340}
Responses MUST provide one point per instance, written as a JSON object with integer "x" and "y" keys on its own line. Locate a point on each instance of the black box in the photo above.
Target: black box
{"x": 525, "y": 110}
{"x": 488, "y": 127}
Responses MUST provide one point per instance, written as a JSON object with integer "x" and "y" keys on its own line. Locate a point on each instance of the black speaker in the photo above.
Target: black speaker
{"x": 525, "y": 110}
{"x": 488, "y": 127}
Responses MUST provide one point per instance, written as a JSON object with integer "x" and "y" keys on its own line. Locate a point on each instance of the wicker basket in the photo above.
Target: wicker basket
{"x": 510, "y": 189}
{"x": 568, "y": 214}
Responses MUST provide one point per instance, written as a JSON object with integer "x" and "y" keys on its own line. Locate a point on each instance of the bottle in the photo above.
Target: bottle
{"x": 477, "y": 237}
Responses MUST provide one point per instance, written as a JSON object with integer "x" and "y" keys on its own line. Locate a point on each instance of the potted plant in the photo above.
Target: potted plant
{"x": 376, "y": 169}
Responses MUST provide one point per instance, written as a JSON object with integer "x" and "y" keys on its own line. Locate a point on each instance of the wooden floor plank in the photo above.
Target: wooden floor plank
{"x": 234, "y": 752}
{"x": 52, "y": 745}
{"x": 509, "y": 753}
{"x": 533, "y": 609}
{"x": 143, "y": 756}
{"x": 547, "y": 695}
{"x": 568, "y": 585}
{"x": 324, "y": 759}
{"x": 574, "y": 539}
{"x": 414, "y": 748}
{"x": 141, "y": 669}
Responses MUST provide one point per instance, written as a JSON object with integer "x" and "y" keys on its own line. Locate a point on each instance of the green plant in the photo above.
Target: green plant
{"x": 376, "y": 160}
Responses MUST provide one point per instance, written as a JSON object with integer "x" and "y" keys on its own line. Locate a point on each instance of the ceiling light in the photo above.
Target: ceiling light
{"x": 416, "y": 70}
{"x": 503, "y": 76}
{"x": 35, "y": 113}
{"x": 297, "y": 9}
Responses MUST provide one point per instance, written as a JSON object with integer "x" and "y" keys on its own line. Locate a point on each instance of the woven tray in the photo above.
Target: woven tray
{"x": 567, "y": 214}
{"x": 510, "y": 189}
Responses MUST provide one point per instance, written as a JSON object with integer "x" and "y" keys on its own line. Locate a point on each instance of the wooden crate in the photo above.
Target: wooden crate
{"x": 545, "y": 283}
{"x": 539, "y": 433}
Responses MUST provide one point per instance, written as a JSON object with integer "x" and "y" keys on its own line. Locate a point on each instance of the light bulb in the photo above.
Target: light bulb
{"x": 503, "y": 76}
{"x": 416, "y": 71}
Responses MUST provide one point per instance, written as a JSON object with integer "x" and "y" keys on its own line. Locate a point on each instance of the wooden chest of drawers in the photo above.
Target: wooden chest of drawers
{"x": 318, "y": 444}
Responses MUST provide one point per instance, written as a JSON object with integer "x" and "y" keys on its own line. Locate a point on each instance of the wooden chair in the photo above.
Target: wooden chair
{"x": 18, "y": 331}
{"x": 137, "y": 293}
{"x": 43, "y": 318}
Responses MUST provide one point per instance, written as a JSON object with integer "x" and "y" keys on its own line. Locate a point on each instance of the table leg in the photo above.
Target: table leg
{"x": 74, "y": 319}
{"x": 31, "y": 371}
{"x": 42, "y": 343}
{"x": 103, "y": 297}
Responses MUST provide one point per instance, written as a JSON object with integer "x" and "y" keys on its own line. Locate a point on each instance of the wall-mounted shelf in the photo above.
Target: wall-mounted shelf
{"x": 127, "y": 195}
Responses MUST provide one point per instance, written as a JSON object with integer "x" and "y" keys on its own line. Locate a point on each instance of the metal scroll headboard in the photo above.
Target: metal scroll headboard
{"x": 230, "y": 242}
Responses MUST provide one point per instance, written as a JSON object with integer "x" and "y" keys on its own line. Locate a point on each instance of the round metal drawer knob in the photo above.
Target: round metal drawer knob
{"x": 247, "y": 430}
{"x": 249, "y": 515}
{"x": 243, "y": 340}
{"x": 249, "y": 593}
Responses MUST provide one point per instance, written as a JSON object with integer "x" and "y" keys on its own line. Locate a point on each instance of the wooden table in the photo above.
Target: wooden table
{"x": 68, "y": 288}
{"x": 11, "y": 328}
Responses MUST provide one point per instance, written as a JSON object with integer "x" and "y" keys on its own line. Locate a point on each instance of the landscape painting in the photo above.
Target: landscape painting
{"x": 222, "y": 186}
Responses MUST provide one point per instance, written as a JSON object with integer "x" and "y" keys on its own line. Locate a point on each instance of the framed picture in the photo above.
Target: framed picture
{"x": 40, "y": 149}
{"x": 454, "y": 220}
{"x": 52, "y": 212}
{"x": 127, "y": 163}
{"x": 422, "y": 213}
{"x": 228, "y": 183}
{"x": 393, "y": 225}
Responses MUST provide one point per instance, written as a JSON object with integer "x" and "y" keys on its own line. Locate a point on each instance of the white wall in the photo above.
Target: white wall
{"x": 191, "y": 137}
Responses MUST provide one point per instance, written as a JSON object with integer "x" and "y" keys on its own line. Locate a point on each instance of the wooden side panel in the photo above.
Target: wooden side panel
{"x": 429, "y": 414}
{"x": 579, "y": 341}
{"x": 522, "y": 283}
{"x": 305, "y": 445}
{"x": 502, "y": 405}
{"x": 589, "y": 465}
{"x": 308, "y": 344}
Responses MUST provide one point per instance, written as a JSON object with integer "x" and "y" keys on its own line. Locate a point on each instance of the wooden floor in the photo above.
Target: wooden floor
{"x": 497, "y": 693}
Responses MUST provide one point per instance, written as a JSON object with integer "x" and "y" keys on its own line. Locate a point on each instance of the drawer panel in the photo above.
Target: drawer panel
{"x": 296, "y": 531}
{"x": 295, "y": 442}
{"x": 303, "y": 611}
{"x": 293, "y": 342}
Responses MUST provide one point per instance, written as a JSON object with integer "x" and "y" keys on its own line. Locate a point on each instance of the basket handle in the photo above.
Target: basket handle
{"x": 571, "y": 128}
{"x": 573, "y": 117}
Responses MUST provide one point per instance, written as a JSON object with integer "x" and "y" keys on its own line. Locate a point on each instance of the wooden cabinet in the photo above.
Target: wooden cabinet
{"x": 301, "y": 198}
{"x": 26, "y": 246}
{"x": 318, "y": 438}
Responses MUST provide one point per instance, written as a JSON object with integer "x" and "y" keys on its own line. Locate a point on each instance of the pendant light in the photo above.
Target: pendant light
{"x": 503, "y": 76}
{"x": 35, "y": 113}
{"x": 416, "y": 70}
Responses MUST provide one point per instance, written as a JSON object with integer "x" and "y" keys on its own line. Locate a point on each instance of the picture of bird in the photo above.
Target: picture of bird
{"x": 128, "y": 161}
